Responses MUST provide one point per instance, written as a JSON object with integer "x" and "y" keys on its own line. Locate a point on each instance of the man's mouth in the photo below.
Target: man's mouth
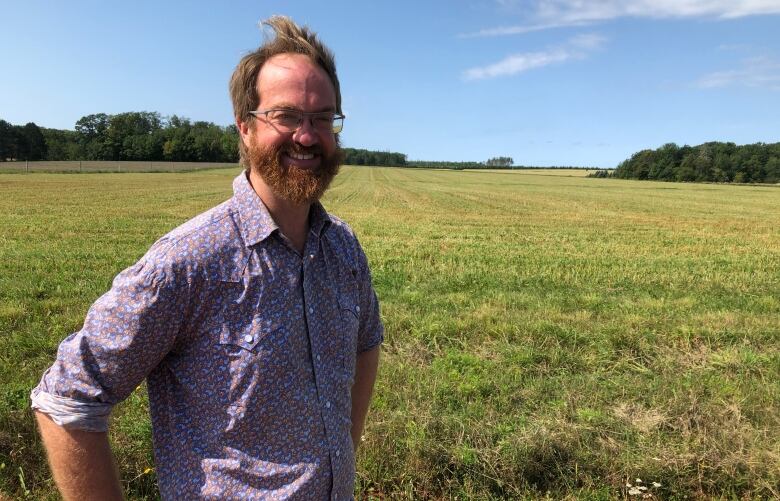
{"x": 300, "y": 156}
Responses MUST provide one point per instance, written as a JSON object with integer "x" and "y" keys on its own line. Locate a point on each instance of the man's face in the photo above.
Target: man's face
{"x": 298, "y": 166}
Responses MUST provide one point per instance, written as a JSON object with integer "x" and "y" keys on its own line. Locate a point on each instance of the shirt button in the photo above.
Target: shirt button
{"x": 337, "y": 452}
{"x": 311, "y": 256}
{"x": 327, "y": 405}
{"x": 318, "y": 358}
{"x": 311, "y": 311}
{"x": 248, "y": 338}
{"x": 357, "y": 309}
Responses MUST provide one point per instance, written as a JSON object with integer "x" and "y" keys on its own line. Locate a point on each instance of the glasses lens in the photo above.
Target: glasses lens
{"x": 322, "y": 121}
{"x": 338, "y": 124}
{"x": 287, "y": 119}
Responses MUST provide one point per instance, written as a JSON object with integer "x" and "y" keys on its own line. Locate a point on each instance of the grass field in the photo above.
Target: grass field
{"x": 538, "y": 172}
{"x": 545, "y": 335}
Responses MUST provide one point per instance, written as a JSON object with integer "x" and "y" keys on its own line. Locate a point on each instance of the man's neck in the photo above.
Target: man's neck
{"x": 292, "y": 219}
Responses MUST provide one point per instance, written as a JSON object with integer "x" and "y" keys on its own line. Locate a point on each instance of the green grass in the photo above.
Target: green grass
{"x": 545, "y": 334}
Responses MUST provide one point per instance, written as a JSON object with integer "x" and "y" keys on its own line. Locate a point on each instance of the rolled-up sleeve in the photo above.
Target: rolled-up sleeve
{"x": 126, "y": 333}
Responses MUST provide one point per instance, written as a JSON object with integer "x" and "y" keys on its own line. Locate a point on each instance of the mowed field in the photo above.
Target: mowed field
{"x": 546, "y": 335}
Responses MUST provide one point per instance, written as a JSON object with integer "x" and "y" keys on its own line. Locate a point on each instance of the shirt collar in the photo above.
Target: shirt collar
{"x": 256, "y": 223}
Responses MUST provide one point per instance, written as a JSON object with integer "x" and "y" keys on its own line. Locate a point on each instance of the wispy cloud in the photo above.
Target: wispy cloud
{"x": 757, "y": 72}
{"x": 547, "y": 14}
{"x": 518, "y": 30}
{"x": 576, "y": 48}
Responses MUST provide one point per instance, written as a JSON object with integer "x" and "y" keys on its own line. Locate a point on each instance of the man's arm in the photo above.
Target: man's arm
{"x": 81, "y": 461}
{"x": 365, "y": 374}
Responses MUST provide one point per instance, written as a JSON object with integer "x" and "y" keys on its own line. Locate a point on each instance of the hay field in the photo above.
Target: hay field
{"x": 545, "y": 334}
{"x": 538, "y": 172}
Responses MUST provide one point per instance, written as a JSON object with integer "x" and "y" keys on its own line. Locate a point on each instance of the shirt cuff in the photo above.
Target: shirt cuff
{"x": 70, "y": 413}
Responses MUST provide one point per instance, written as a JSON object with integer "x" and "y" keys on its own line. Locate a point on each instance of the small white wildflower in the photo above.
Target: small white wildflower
{"x": 629, "y": 485}
{"x": 639, "y": 480}
{"x": 642, "y": 488}
{"x": 656, "y": 485}
{"x": 634, "y": 491}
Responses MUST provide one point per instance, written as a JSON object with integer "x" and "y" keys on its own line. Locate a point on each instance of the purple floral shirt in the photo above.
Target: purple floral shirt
{"x": 248, "y": 349}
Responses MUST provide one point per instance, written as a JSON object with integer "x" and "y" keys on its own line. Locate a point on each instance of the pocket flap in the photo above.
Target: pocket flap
{"x": 349, "y": 303}
{"x": 246, "y": 337}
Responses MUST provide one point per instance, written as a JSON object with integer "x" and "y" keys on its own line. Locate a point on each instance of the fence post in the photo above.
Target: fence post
{"x": 118, "y": 167}
{"x": 79, "y": 165}
{"x": 27, "y": 166}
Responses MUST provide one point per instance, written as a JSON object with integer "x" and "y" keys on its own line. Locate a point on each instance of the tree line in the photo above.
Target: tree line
{"x": 148, "y": 136}
{"x": 133, "y": 135}
{"x": 709, "y": 162}
{"x": 353, "y": 156}
{"x": 500, "y": 162}
{"x": 429, "y": 164}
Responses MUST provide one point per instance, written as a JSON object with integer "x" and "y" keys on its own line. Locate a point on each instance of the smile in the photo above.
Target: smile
{"x": 301, "y": 156}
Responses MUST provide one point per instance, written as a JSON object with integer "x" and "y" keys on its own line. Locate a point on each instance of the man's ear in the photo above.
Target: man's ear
{"x": 244, "y": 129}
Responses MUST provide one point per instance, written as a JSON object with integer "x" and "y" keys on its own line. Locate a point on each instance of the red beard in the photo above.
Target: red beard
{"x": 300, "y": 186}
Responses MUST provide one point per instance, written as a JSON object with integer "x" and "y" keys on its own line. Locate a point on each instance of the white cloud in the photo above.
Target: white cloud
{"x": 588, "y": 41}
{"x": 546, "y": 14}
{"x": 517, "y": 63}
{"x": 757, "y": 72}
{"x": 517, "y": 30}
{"x": 576, "y": 48}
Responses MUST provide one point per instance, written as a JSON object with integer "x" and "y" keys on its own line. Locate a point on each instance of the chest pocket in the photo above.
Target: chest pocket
{"x": 250, "y": 321}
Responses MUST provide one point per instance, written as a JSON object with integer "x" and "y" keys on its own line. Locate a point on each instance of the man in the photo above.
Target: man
{"x": 255, "y": 324}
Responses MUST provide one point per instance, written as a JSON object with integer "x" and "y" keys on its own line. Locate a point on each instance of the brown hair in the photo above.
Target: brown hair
{"x": 289, "y": 38}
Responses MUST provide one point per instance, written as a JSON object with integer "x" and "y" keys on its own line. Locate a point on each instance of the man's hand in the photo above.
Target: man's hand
{"x": 365, "y": 374}
{"x": 81, "y": 462}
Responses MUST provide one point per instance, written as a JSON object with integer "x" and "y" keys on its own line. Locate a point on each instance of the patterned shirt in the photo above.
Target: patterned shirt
{"x": 248, "y": 349}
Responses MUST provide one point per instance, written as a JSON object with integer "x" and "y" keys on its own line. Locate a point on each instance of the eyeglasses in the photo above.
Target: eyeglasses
{"x": 289, "y": 120}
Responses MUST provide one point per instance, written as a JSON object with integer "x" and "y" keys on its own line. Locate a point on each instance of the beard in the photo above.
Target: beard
{"x": 299, "y": 186}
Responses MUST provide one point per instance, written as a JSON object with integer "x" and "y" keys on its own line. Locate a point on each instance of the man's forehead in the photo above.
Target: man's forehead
{"x": 288, "y": 61}
{"x": 292, "y": 69}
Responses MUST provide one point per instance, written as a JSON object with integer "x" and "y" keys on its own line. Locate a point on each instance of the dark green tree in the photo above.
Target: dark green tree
{"x": 33, "y": 141}
{"x": 8, "y": 141}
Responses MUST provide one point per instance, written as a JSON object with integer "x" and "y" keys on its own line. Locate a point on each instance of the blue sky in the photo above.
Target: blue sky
{"x": 547, "y": 82}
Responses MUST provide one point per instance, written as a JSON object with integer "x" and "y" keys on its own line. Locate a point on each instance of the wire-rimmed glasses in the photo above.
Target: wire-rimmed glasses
{"x": 289, "y": 120}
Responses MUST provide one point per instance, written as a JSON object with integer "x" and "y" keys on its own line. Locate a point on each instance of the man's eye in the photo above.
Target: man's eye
{"x": 286, "y": 117}
{"x": 325, "y": 119}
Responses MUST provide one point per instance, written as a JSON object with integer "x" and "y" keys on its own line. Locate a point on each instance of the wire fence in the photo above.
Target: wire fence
{"x": 107, "y": 166}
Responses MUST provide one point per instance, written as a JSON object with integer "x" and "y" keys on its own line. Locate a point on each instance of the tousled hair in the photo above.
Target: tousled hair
{"x": 288, "y": 38}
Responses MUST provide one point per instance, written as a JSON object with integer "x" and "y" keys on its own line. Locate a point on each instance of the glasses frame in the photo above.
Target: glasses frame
{"x": 303, "y": 114}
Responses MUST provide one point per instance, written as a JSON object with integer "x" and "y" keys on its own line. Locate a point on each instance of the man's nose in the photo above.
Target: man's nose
{"x": 306, "y": 134}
